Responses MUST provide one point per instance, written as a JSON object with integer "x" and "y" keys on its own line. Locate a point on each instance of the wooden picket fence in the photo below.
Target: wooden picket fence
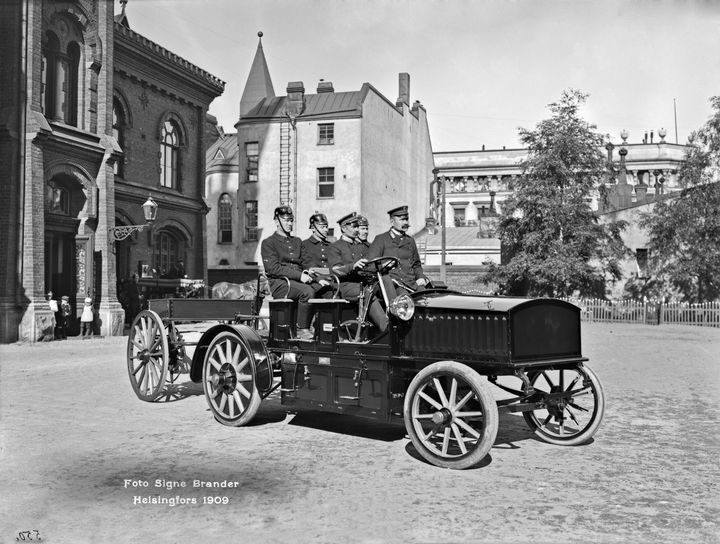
{"x": 706, "y": 314}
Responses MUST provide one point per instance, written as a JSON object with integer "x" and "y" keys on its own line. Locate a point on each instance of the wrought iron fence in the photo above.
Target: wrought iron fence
{"x": 705, "y": 314}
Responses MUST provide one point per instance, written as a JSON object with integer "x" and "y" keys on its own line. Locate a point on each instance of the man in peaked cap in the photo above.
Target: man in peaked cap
{"x": 363, "y": 232}
{"x": 396, "y": 243}
{"x": 315, "y": 252}
{"x": 282, "y": 257}
{"x": 346, "y": 257}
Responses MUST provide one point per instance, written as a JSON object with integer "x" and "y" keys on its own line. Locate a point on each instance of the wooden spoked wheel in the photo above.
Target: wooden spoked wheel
{"x": 147, "y": 355}
{"x": 573, "y": 404}
{"x": 450, "y": 415}
{"x": 230, "y": 380}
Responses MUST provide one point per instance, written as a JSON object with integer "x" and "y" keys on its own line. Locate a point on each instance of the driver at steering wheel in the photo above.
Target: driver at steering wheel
{"x": 346, "y": 258}
{"x": 396, "y": 243}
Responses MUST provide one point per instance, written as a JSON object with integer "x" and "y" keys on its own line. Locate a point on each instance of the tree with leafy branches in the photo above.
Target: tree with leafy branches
{"x": 684, "y": 228}
{"x": 552, "y": 241}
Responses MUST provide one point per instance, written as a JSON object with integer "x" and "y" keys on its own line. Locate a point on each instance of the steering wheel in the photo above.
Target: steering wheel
{"x": 384, "y": 264}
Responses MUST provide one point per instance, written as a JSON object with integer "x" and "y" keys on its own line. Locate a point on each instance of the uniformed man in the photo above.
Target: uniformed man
{"x": 396, "y": 243}
{"x": 346, "y": 260}
{"x": 314, "y": 253}
{"x": 363, "y": 232}
{"x": 282, "y": 256}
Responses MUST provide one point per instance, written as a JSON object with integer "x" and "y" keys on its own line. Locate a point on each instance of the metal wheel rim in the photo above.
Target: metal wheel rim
{"x": 147, "y": 355}
{"x": 229, "y": 376}
{"x": 449, "y": 425}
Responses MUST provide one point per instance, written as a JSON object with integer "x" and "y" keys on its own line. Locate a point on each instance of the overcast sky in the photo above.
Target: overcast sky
{"x": 481, "y": 68}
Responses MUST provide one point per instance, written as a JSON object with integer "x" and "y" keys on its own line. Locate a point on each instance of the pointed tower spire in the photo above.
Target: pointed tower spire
{"x": 258, "y": 84}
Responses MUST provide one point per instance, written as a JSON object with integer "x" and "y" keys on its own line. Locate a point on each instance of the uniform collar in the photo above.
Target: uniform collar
{"x": 315, "y": 240}
{"x": 397, "y": 233}
{"x": 347, "y": 239}
{"x": 282, "y": 236}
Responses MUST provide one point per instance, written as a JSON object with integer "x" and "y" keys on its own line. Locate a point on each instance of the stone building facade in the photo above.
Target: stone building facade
{"x": 62, "y": 150}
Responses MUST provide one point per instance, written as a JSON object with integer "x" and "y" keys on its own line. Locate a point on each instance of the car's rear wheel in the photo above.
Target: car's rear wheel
{"x": 148, "y": 355}
{"x": 573, "y": 404}
{"x": 450, "y": 415}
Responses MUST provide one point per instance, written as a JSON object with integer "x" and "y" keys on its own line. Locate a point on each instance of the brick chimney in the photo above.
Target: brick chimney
{"x": 404, "y": 89}
{"x": 295, "y": 103}
{"x": 325, "y": 87}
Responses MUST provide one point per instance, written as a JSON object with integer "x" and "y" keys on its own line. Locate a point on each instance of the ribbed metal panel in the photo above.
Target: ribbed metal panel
{"x": 477, "y": 334}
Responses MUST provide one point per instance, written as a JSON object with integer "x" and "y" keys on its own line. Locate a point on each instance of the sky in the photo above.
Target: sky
{"x": 481, "y": 68}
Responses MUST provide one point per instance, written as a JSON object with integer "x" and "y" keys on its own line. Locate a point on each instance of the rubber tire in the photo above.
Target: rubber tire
{"x": 253, "y": 405}
{"x": 587, "y": 432}
{"x": 482, "y": 394}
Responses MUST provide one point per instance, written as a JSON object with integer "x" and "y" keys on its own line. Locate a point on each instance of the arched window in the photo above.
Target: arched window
{"x": 225, "y": 206}
{"x": 59, "y": 92}
{"x": 168, "y": 250}
{"x": 118, "y": 132}
{"x": 169, "y": 153}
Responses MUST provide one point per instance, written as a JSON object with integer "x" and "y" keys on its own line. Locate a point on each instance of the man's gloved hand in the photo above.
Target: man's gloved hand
{"x": 422, "y": 282}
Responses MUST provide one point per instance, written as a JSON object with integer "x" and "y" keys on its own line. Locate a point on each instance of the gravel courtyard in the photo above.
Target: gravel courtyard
{"x": 83, "y": 460}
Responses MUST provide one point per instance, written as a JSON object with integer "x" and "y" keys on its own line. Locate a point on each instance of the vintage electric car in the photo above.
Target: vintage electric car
{"x": 448, "y": 363}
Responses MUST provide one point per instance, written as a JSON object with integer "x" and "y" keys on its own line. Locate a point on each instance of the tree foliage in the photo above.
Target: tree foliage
{"x": 553, "y": 244}
{"x": 684, "y": 230}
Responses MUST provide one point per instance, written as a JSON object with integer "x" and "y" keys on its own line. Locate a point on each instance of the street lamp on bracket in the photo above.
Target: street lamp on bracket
{"x": 123, "y": 231}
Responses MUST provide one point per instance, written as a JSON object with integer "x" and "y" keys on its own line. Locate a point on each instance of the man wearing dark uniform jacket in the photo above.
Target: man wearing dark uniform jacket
{"x": 346, "y": 257}
{"x": 282, "y": 258}
{"x": 315, "y": 252}
{"x": 363, "y": 232}
{"x": 396, "y": 243}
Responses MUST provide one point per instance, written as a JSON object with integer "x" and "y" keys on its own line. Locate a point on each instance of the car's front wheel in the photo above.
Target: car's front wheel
{"x": 450, "y": 415}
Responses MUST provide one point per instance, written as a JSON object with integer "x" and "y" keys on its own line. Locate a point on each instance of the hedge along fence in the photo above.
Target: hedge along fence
{"x": 706, "y": 314}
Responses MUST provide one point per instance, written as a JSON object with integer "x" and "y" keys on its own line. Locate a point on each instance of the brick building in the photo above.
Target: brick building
{"x": 73, "y": 145}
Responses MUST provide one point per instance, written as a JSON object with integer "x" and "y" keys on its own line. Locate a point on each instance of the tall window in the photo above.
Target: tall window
{"x": 252, "y": 152}
{"x": 166, "y": 252}
{"x": 225, "y": 219}
{"x": 59, "y": 77}
{"x": 326, "y": 182}
{"x": 326, "y": 133}
{"x": 118, "y": 126}
{"x": 169, "y": 151}
{"x": 251, "y": 220}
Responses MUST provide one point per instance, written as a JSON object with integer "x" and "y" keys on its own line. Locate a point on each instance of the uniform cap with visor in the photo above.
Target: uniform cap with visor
{"x": 347, "y": 219}
{"x": 400, "y": 210}
{"x": 362, "y": 221}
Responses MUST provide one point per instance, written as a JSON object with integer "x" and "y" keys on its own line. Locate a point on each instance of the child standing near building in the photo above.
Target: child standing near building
{"x": 86, "y": 319}
{"x": 64, "y": 313}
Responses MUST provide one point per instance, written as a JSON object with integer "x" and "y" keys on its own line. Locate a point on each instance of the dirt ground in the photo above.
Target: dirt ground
{"x": 76, "y": 441}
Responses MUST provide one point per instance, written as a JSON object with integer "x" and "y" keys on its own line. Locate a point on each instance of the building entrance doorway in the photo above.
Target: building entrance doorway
{"x": 60, "y": 276}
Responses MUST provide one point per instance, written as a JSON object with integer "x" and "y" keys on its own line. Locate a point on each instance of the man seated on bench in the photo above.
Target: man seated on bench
{"x": 346, "y": 261}
{"x": 282, "y": 257}
{"x": 315, "y": 252}
{"x": 408, "y": 275}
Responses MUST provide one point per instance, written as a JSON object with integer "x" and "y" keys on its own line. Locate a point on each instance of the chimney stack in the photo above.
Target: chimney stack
{"x": 295, "y": 103}
{"x": 325, "y": 87}
{"x": 404, "y": 90}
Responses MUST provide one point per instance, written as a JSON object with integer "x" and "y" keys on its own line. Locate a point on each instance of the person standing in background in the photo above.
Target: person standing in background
{"x": 86, "y": 319}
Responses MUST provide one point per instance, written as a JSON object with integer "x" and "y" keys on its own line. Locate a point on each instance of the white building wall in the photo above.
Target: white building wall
{"x": 397, "y": 164}
{"x": 344, "y": 156}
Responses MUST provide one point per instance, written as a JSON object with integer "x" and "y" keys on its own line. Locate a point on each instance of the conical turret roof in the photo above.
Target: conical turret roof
{"x": 258, "y": 85}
